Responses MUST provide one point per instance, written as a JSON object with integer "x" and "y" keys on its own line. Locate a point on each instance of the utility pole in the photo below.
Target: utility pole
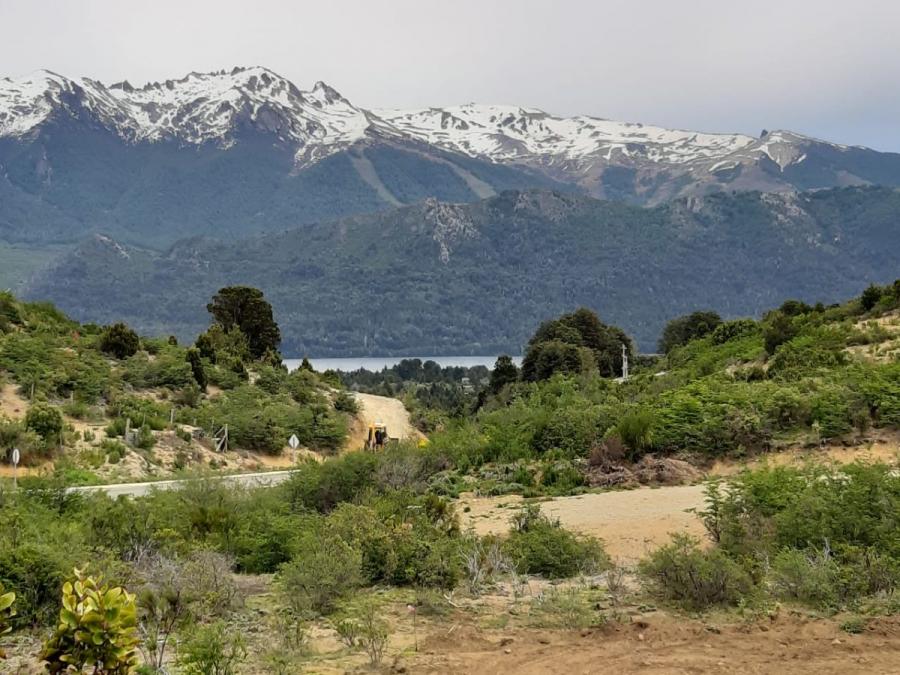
{"x": 624, "y": 363}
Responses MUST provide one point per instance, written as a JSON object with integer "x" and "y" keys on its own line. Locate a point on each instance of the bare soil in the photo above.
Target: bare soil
{"x": 389, "y": 411}
{"x": 12, "y": 405}
{"x": 662, "y": 644}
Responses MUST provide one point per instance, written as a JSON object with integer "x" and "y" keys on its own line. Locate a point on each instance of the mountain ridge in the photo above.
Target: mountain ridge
{"x": 477, "y": 278}
{"x": 607, "y": 159}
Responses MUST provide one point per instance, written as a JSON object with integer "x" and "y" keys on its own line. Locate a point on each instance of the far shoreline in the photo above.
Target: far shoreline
{"x": 378, "y": 363}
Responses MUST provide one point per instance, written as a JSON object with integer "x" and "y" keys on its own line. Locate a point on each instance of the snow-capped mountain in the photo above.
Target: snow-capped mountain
{"x": 199, "y": 108}
{"x": 512, "y": 134}
{"x": 583, "y": 149}
{"x": 246, "y": 150}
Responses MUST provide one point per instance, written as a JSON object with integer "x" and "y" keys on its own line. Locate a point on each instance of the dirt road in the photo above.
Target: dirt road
{"x": 389, "y": 411}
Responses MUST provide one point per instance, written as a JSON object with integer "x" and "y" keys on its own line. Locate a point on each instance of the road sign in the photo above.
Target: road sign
{"x": 294, "y": 442}
{"x": 15, "y": 457}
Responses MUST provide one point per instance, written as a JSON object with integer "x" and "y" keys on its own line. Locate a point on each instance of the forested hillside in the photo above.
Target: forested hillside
{"x": 477, "y": 278}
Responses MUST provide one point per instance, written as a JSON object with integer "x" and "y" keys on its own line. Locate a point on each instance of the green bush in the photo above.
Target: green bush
{"x": 46, "y": 421}
{"x": 141, "y": 412}
{"x": 120, "y": 341}
{"x": 681, "y": 330}
{"x": 871, "y": 296}
{"x": 540, "y": 546}
{"x": 561, "y": 477}
{"x": 778, "y": 329}
{"x": 114, "y": 450}
{"x": 324, "y": 570}
{"x": 168, "y": 368}
{"x": 14, "y": 435}
{"x": 810, "y": 578}
{"x": 636, "y": 430}
{"x": 687, "y": 576}
{"x": 213, "y": 649}
{"x": 7, "y": 612}
{"x": 322, "y": 486}
{"x": 345, "y": 402}
{"x": 732, "y": 330}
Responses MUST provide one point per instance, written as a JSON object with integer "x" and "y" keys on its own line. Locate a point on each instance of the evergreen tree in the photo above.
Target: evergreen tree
{"x": 193, "y": 358}
{"x": 246, "y": 309}
{"x": 120, "y": 341}
{"x": 504, "y": 372}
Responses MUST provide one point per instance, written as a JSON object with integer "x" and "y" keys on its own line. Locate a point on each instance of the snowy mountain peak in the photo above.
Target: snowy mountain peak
{"x": 510, "y": 133}
{"x": 198, "y": 108}
{"x": 223, "y": 106}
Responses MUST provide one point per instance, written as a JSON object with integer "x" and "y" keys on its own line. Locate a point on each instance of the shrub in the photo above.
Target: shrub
{"x": 195, "y": 361}
{"x": 809, "y": 578}
{"x": 871, "y": 296}
{"x": 567, "y": 608}
{"x": 687, "y": 576}
{"x": 14, "y": 435}
{"x": 114, "y": 450}
{"x": 212, "y": 649}
{"x": 540, "y": 546}
{"x": 120, "y": 341}
{"x": 571, "y": 429}
{"x": 97, "y": 629}
{"x": 778, "y": 330}
{"x": 562, "y": 477}
{"x": 35, "y": 572}
{"x": 545, "y": 359}
{"x": 168, "y": 369}
{"x": 732, "y": 330}
{"x": 7, "y": 612}
{"x": 322, "y": 486}
{"x": 141, "y": 411}
{"x": 324, "y": 570}
{"x": 373, "y": 632}
{"x": 635, "y": 429}
{"x": 145, "y": 439}
{"x": 46, "y": 421}
{"x": 683, "y": 329}
{"x": 345, "y": 402}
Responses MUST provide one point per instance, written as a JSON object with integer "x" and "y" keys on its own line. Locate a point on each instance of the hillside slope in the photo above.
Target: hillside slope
{"x": 477, "y": 278}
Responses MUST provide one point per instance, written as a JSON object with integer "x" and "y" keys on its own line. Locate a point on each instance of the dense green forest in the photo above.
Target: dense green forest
{"x": 453, "y": 279}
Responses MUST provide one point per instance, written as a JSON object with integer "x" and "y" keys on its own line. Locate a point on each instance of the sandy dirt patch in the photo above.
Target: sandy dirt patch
{"x": 630, "y": 522}
{"x": 634, "y": 522}
{"x": 12, "y": 405}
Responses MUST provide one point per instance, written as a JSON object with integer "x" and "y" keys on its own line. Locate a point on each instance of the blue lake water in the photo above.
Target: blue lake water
{"x": 376, "y": 363}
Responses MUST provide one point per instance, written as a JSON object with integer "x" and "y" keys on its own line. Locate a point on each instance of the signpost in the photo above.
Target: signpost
{"x": 15, "y": 462}
{"x": 294, "y": 442}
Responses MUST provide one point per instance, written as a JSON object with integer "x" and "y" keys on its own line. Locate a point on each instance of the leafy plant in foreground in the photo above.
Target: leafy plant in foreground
{"x": 97, "y": 629}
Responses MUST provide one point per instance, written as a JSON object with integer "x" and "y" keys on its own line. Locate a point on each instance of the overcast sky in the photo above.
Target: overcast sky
{"x": 829, "y": 68}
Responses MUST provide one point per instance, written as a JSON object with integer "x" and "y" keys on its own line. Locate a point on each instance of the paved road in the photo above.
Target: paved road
{"x": 140, "y": 489}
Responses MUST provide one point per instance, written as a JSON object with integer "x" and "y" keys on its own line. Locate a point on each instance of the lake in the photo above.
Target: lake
{"x": 376, "y": 363}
